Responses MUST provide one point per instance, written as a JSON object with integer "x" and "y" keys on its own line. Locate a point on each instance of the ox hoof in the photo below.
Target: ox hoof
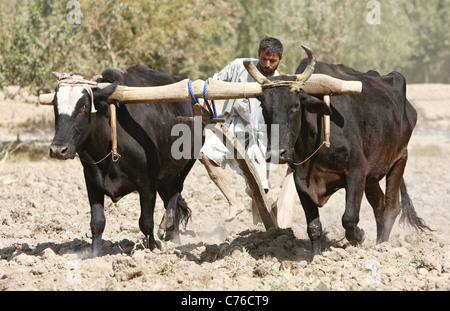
{"x": 96, "y": 247}
{"x": 316, "y": 249}
{"x": 161, "y": 232}
{"x": 166, "y": 234}
{"x": 150, "y": 243}
{"x": 356, "y": 236}
{"x": 94, "y": 253}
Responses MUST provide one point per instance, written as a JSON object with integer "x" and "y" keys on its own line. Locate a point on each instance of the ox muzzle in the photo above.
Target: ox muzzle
{"x": 62, "y": 151}
{"x": 279, "y": 156}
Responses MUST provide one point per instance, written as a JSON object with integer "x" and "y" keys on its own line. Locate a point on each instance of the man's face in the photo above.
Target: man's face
{"x": 268, "y": 63}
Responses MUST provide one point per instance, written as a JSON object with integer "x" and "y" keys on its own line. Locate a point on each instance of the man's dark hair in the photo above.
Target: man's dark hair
{"x": 270, "y": 46}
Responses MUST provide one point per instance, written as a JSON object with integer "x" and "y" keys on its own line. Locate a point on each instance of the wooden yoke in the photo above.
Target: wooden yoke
{"x": 318, "y": 84}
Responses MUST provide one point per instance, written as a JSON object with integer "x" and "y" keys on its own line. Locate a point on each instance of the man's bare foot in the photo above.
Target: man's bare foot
{"x": 233, "y": 212}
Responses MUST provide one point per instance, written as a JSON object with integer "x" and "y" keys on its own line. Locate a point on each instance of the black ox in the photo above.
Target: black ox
{"x": 143, "y": 132}
{"x": 370, "y": 132}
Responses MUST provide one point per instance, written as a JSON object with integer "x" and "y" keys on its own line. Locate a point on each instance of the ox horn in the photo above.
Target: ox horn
{"x": 97, "y": 78}
{"x": 307, "y": 73}
{"x": 254, "y": 72}
{"x": 57, "y": 75}
{"x": 301, "y": 78}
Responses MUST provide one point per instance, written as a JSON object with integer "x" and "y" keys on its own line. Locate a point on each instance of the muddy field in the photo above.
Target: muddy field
{"x": 44, "y": 224}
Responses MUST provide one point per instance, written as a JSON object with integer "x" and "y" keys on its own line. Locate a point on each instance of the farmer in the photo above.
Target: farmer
{"x": 245, "y": 120}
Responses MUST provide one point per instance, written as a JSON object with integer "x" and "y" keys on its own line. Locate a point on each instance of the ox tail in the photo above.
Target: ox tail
{"x": 184, "y": 211}
{"x": 409, "y": 214}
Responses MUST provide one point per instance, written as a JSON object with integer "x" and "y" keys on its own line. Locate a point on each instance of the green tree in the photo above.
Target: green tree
{"x": 108, "y": 26}
{"x": 430, "y": 57}
{"x": 257, "y": 21}
{"x": 199, "y": 37}
{"x": 182, "y": 37}
{"x": 35, "y": 39}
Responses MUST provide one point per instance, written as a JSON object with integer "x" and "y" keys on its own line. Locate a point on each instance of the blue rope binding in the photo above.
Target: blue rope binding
{"x": 212, "y": 110}
{"x": 205, "y": 97}
{"x": 191, "y": 91}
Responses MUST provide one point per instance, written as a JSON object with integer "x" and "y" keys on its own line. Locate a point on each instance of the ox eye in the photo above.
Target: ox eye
{"x": 84, "y": 108}
{"x": 295, "y": 107}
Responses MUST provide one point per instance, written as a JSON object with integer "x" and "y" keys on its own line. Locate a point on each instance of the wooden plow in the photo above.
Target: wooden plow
{"x": 315, "y": 84}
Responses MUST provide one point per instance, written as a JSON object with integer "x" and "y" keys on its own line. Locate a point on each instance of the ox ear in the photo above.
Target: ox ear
{"x": 107, "y": 91}
{"x": 101, "y": 95}
{"x": 315, "y": 105}
{"x": 259, "y": 96}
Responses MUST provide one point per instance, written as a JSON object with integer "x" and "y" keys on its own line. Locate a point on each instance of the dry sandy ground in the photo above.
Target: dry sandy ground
{"x": 44, "y": 225}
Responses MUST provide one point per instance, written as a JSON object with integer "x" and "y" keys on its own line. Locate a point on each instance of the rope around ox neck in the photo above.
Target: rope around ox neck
{"x": 308, "y": 158}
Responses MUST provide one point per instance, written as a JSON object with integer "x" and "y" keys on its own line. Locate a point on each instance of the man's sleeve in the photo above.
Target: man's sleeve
{"x": 227, "y": 73}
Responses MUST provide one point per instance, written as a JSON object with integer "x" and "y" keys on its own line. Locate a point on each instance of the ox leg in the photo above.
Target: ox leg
{"x": 313, "y": 224}
{"x": 375, "y": 196}
{"x": 98, "y": 219}
{"x": 169, "y": 228}
{"x": 176, "y": 207}
{"x": 146, "y": 222}
{"x": 354, "y": 193}
{"x": 388, "y": 215}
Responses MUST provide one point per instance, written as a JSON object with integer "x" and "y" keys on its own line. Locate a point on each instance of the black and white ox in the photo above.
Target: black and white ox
{"x": 370, "y": 132}
{"x": 144, "y": 136}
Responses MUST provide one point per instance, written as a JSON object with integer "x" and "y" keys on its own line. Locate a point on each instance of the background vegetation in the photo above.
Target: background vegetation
{"x": 197, "y": 38}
